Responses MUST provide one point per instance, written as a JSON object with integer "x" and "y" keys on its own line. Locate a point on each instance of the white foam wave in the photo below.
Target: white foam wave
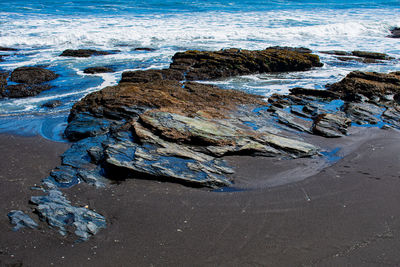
{"x": 208, "y": 30}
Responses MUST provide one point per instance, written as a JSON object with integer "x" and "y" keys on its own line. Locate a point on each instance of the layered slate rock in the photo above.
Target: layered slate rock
{"x": 168, "y": 130}
{"x": 331, "y": 125}
{"x": 83, "y": 53}
{"x": 361, "y": 98}
{"x": 31, "y": 81}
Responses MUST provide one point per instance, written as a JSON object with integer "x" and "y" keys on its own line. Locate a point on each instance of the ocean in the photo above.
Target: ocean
{"x": 41, "y": 30}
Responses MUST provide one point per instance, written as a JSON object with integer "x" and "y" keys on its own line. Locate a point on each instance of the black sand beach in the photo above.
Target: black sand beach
{"x": 347, "y": 214}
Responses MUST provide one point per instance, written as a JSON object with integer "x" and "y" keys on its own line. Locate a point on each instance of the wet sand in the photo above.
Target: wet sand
{"x": 345, "y": 214}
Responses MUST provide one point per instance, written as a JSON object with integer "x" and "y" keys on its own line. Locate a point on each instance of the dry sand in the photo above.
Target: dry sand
{"x": 345, "y": 214}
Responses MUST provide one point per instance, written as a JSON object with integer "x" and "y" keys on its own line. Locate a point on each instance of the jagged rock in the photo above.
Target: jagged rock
{"x": 149, "y": 160}
{"x": 395, "y": 32}
{"x": 206, "y": 65}
{"x": 293, "y": 121}
{"x": 363, "y": 113}
{"x": 392, "y": 115}
{"x": 24, "y": 90}
{"x": 146, "y": 76}
{"x": 58, "y": 212}
{"x": 32, "y": 75}
{"x": 93, "y": 70}
{"x": 331, "y": 125}
{"x": 51, "y": 104}
{"x": 85, "y": 125}
{"x": 369, "y": 84}
{"x": 223, "y": 135}
{"x": 83, "y": 53}
{"x": 20, "y": 220}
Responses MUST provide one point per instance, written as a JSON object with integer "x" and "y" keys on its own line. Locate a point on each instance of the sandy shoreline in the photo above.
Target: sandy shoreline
{"x": 347, "y": 214}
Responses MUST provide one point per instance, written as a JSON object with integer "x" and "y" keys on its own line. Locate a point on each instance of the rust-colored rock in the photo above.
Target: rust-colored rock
{"x": 188, "y": 99}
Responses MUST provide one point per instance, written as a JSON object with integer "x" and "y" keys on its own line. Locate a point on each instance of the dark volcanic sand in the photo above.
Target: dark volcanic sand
{"x": 347, "y": 214}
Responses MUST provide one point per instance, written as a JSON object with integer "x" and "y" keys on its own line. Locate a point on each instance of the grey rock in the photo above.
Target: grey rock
{"x": 331, "y": 125}
{"x": 58, "y": 212}
{"x": 20, "y": 220}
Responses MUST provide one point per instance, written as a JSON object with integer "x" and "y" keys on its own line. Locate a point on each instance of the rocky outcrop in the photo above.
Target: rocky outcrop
{"x": 374, "y": 86}
{"x": 206, "y": 65}
{"x": 100, "y": 69}
{"x": 32, "y": 81}
{"x": 157, "y": 124}
{"x": 83, "y": 53}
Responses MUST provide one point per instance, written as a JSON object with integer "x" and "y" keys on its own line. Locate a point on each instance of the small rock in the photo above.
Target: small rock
{"x": 395, "y": 32}
{"x": 51, "y": 104}
{"x": 20, "y": 219}
{"x": 93, "y": 70}
{"x": 145, "y": 49}
{"x": 83, "y": 53}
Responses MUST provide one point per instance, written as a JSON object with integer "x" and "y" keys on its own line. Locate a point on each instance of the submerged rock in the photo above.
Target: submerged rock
{"x": 100, "y": 69}
{"x": 83, "y": 53}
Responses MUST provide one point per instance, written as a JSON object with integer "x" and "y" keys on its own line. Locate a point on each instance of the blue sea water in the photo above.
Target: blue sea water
{"x": 42, "y": 29}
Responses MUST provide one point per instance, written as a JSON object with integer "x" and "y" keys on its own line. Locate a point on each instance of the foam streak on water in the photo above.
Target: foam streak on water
{"x": 43, "y": 29}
